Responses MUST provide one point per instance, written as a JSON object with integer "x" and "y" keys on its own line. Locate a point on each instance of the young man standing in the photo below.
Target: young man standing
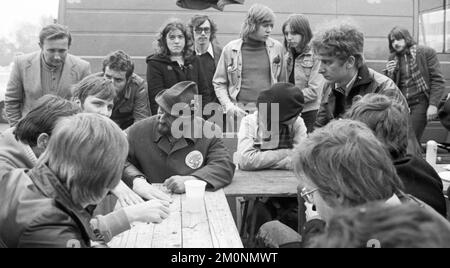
{"x": 49, "y": 71}
{"x": 417, "y": 72}
{"x": 250, "y": 64}
{"x": 208, "y": 50}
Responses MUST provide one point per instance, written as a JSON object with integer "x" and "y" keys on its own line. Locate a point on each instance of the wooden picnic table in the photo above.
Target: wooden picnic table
{"x": 266, "y": 183}
{"x": 441, "y": 168}
{"x": 212, "y": 227}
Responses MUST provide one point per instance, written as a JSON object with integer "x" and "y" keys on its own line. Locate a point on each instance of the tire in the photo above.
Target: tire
{"x": 3, "y": 119}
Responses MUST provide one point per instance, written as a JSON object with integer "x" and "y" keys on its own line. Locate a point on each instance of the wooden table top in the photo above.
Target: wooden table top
{"x": 212, "y": 227}
{"x": 266, "y": 183}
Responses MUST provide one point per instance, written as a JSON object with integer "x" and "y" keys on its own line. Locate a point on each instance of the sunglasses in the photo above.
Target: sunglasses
{"x": 200, "y": 30}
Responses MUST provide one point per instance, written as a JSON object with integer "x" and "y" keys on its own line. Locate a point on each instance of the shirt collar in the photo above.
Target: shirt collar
{"x": 30, "y": 154}
{"x": 348, "y": 87}
{"x": 210, "y": 51}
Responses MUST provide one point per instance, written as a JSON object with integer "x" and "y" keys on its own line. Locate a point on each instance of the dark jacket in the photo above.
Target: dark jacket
{"x": 37, "y": 211}
{"x": 422, "y": 181}
{"x": 209, "y": 74}
{"x": 162, "y": 73}
{"x": 430, "y": 69}
{"x": 131, "y": 105}
{"x": 152, "y": 156}
{"x": 368, "y": 81}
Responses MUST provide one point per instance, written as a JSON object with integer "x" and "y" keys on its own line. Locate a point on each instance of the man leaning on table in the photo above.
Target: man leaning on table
{"x": 157, "y": 156}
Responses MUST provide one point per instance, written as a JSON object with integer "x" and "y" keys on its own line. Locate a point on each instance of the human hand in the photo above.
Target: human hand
{"x": 153, "y": 211}
{"x": 125, "y": 195}
{"x": 432, "y": 112}
{"x": 176, "y": 183}
{"x": 310, "y": 213}
{"x": 234, "y": 110}
{"x": 148, "y": 191}
{"x": 391, "y": 65}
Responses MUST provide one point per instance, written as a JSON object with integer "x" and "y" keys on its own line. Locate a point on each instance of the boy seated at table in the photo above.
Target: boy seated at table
{"x": 266, "y": 140}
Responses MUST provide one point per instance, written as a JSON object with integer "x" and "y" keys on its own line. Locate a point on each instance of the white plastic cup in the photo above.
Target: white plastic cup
{"x": 195, "y": 193}
{"x": 431, "y": 153}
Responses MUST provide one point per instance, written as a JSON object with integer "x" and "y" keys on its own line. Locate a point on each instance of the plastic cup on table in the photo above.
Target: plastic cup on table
{"x": 195, "y": 193}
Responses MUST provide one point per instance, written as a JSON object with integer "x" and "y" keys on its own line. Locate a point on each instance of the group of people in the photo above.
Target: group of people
{"x": 311, "y": 105}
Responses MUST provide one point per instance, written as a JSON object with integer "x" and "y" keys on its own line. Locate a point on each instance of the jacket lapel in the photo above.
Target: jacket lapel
{"x": 66, "y": 78}
{"x": 32, "y": 75}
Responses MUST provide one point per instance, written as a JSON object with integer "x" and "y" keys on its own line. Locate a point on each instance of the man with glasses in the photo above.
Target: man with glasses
{"x": 164, "y": 151}
{"x": 207, "y": 48}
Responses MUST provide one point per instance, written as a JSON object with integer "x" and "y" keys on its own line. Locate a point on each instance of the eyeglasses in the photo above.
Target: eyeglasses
{"x": 200, "y": 30}
{"x": 308, "y": 195}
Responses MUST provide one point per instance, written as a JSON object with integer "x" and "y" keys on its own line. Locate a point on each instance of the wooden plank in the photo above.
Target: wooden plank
{"x": 223, "y": 229}
{"x": 168, "y": 234}
{"x": 145, "y": 237}
{"x": 268, "y": 183}
{"x": 195, "y": 226}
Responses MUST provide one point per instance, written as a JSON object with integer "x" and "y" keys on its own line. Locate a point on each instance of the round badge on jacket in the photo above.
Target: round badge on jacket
{"x": 194, "y": 160}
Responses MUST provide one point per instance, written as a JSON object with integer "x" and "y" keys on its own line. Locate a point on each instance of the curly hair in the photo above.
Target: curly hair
{"x": 119, "y": 61}
{"x": 387, "y": 119}
{"x": 343, "y": 41}
{"x": 257, "y": 15}
{"x": 380, "y": 225}
{"x": 171, "y": 25}
{"x": 198, "y": 20}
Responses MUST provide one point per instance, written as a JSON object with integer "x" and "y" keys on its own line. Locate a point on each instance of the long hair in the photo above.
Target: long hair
{"x": 398, "y": 33}
{"x": 348, "y": 164}
{"x": 87, "y": 152}
{"x": 257, "y": 15}
{"x": 171, "y": 25}
{"x": 299, "y": 24}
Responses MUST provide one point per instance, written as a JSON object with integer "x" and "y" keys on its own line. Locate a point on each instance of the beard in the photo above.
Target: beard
{"x": 164, "y": 129}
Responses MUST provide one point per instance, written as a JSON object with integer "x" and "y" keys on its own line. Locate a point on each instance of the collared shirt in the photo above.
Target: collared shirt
{"x": 210, "y": 51}
{"x": 50, "y": 76}
{"x": 348, "y": 87}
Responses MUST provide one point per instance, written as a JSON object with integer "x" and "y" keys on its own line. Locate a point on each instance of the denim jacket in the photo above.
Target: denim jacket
{"x": 307, "y": 78}
{"x": 228, "y": 78}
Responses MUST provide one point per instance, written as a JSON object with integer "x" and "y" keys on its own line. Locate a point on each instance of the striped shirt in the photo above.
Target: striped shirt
{"x": 50, "y": 77}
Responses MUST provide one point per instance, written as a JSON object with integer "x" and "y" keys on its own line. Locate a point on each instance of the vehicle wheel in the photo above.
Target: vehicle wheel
{"x": 3, "y": 113}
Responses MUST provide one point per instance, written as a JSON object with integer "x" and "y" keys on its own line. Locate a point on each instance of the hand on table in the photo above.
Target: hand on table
{"x": 175, "y": 184}
{"x": 148, "y": 191}
{"x": 154, "y": 211}
{"x": 126, "y": 196}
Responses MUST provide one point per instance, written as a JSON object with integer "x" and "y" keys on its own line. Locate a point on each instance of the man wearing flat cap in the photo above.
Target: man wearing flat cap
{"x": 161, "y": 151}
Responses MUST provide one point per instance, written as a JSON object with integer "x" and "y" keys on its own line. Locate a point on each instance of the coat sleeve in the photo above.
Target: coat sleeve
{"x": 86, "y": 71}
{"x": 53, "y": 236}
{"x": 219, "y": 169}
{"x": 437, "y": 82}
{"x": 250, "y": 158}
{"x": 14, "y": 95}
{"x": 155, "y": 83}
{"x": 220, "y": 81}
{"x": 107, "y": 227}
{"x": 131, "y": 170}
{"x": 141, "y": 106}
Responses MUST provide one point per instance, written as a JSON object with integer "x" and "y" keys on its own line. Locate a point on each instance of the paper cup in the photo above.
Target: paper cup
{"x": 195, "y": 193}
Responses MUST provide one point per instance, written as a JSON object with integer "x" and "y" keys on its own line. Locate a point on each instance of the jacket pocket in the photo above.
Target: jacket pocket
{"x": 233, "y": 75}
